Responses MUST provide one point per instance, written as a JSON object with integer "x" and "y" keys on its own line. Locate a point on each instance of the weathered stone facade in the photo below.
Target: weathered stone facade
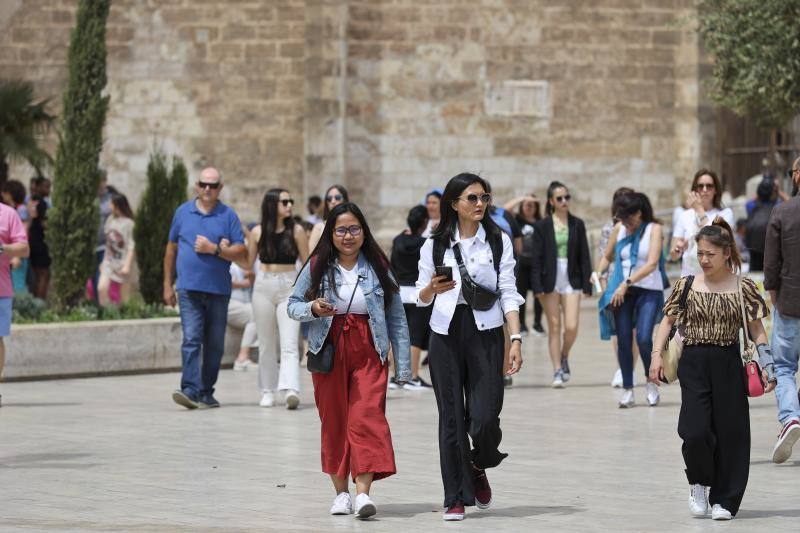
{"x": 390, "y": 97}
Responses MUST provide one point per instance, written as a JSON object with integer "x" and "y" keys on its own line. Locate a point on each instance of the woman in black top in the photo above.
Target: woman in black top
{"x": 405, "y": 263}
{"x": 528, "y": 213}
{"x": 560, "y": 271}
{"x": 278, "y": 242}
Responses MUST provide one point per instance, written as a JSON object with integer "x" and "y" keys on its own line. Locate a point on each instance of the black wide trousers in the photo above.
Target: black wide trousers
{"x": 714, "y": 422}
{"x": 467, "y": 374}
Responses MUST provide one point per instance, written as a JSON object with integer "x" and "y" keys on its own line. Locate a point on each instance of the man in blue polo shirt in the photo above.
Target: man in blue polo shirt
{"x": 205, "y": 237}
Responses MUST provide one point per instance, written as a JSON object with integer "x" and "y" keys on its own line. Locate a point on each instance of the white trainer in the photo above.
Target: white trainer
{"x": 653, "y": 397}
{"x": 558, "y": 379}
{"x": 616, "y": 381}
{"x": 342, "y": 504}
{"x": 292, "y": 399}
{"x": 718, "y": 512}
{"x": 627, "y": 401}
{"x": 698, "y": 500}
{"x": 365, "y": 507}
{"x": 267, "y": 399}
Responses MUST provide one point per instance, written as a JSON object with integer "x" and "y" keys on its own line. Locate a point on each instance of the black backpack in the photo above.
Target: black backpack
{"x": 756, "y": 227}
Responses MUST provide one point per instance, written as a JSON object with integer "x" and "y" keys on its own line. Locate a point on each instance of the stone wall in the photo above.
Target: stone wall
{"x": 390, "y": 97}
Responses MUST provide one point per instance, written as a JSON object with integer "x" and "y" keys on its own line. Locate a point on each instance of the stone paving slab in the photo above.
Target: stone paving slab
{"x": 115, "y": 454}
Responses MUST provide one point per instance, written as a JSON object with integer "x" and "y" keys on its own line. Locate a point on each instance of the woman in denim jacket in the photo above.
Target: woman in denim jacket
{"x": 351, "y": 398}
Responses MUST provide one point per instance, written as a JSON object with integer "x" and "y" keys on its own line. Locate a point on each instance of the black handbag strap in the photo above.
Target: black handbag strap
{"x": 462, "y": 269}
{"x": 684, "y": 296}
{"x": 341, "y": 328}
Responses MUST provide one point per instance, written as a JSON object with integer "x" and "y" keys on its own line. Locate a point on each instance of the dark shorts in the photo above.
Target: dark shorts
{"x": 419, "y": 324}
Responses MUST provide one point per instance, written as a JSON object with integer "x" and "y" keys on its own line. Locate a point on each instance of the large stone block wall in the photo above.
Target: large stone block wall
{"x": 390, "y": 97}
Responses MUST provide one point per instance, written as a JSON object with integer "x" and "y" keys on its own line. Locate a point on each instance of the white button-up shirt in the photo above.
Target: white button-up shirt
{"x": 477, "y": 255}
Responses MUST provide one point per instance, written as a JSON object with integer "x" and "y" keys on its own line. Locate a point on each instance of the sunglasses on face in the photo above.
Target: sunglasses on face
{"x": 341, "y": 231}
{"x": 473, "y": 198}
{"x": 332, "y": 197}
{"x": 704, "y": 187}
{"x": 287, "y": 202}
{"x": 565, "y": 198}
{"x": 791, "y": 171}
{"x": 205, "y": 184}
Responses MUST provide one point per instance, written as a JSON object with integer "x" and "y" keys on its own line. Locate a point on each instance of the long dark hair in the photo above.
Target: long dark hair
{"x": 345, "y": 198}
{"x": 551, "y": 191}
{"x": 267, "y": 251}
{"x": 617, "y": 194}
{"x": 537, "y": 211}
{"x": 120, "y": 201}
{"x": 720, "y": 234}
{"x": 448, "y": 222}
{"x": 325, "y": 254}
{"x": 717, "y": 201}
{"x": 629, "y": 203}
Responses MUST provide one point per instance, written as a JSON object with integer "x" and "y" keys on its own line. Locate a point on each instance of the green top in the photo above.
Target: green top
{"x": 562, "y": 236}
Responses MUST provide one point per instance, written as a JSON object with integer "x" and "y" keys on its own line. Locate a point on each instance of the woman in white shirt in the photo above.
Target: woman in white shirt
{"x": 466, "y": 350}
{"x": 705, "y": 204}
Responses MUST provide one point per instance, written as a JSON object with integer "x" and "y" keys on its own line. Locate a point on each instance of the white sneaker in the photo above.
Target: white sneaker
{"x": 393, "y": 385}
{"x": 698, "y": 500}
{"x": 342, "y": 504}
{"x": 653, "y": 396}
{"x": 292, "y": 399}
{"x": 558, "y": 380}
{"x": 364, "y": 506}
{"x": 616, "y": 381}
{"x": 247, "y": 364}
{"x": 790, "y": 433}
{"x": 267, "y": 399}
{"x": 626, "y": 400}
{"x": 718, "y": 512}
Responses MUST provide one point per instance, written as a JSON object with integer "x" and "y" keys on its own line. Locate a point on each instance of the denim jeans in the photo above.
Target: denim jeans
{"x": 638, "y": 311}
{"x": 203, "y": 319}
{"x": 785, "y": 351}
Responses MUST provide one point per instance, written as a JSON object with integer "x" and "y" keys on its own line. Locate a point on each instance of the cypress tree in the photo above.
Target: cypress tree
{"x": 166, "y": 190}
{"x": 73, "y": 222}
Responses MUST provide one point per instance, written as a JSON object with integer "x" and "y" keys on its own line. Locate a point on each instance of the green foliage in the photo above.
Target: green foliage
{"x": 74, "y": 220}
{"x": 166, "y": 190}
{"x": 22, "y": 122}
{"x": 30, "y": 310}
{"x": 756, "y": 49}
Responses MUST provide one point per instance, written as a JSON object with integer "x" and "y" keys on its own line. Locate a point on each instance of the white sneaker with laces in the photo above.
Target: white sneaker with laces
{"x": 267, "y": 399}
{"x": 790, "y": 434}
{"x": 653, "y": 397}
{"x": 342, "y": 504}
{"x": 626, "y": 400}
{"x": 698, "y": 500}
{"x": 718, "y": 512}
{"x": 365, "y": 507}
{"x": 292, "y": 399}
{"x": 558, "y": 380}
{"x": 616, "y": 381}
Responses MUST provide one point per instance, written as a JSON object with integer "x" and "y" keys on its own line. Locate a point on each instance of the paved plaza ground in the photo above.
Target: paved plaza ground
{"x": 115, "y": 454}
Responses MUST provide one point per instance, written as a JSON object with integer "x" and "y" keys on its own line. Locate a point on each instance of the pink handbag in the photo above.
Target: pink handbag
{"x": 752, "y": 372}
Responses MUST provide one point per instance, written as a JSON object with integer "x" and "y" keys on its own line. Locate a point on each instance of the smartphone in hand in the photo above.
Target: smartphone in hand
{"x": 445, "y": 271}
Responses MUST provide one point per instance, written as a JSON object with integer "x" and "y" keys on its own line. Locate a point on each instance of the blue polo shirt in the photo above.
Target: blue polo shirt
{"x": 204, "y": 272}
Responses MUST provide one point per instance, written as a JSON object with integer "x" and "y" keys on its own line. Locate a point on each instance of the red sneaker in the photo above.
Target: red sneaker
{"x": 455, "y": 511}
{"x": 483, "y": 491}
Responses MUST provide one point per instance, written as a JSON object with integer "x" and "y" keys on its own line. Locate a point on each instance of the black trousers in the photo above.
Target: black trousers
{"x": 467, "y": 374}
{"x": 714, "y": 422}
{"x": 523, "y": 287}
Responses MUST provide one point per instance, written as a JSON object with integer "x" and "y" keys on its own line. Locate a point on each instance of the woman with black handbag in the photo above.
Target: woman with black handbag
{"x": 348, "y": 293}
{"x": 468, "y": 266}
{"x": 714, "y": 421}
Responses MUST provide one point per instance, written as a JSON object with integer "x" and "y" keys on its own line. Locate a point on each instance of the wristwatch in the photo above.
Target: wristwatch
{"x": 217, "y": 251}
{"x": 628, "y": 282}
{"x": 516, "y": 337}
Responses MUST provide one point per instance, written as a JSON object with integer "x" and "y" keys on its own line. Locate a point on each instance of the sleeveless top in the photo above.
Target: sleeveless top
{"x": 653, "y": 280}
{"x": 281, "y": 257}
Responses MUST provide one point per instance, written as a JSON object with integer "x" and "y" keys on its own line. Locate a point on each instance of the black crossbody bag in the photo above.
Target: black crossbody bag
{"x": 322, "y": 361}
{"x": 477, "y": 296}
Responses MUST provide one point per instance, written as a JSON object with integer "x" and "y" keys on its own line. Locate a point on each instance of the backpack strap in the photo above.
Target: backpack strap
{"x": 496, "y": 244}
{"x": 685, "y": 293}
{"x": 438, "y": 253}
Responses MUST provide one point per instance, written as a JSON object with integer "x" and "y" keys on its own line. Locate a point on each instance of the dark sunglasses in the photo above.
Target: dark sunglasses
{"x": 791, "y": 171}
{"x": 565, "y": 198}
{"x": 353, "y": 230}
{"x": 287, "y": 202}
{"x": 704, "y": 186}
{"x": 332, "y": 197}
{"x": 473, "y": 198}
{"x": 205, "y": 184}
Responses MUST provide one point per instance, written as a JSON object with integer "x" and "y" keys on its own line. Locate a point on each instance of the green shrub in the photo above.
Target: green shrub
{"x": 29, "y": 310}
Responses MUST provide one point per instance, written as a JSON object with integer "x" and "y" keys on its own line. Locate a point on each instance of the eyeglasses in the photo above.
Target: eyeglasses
{"x": 205, "y": 184}
{"x": 287, "y": 202}
{"x": 473, "y": 198}
{"x": 565, "y": 198}
{"x": 332, "y": 197}
{"x": 342, "y": 231}
{"x": 704, "y": 187}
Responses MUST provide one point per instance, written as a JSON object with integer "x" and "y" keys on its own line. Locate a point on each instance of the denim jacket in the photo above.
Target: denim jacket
{"x": 388, "y": 325}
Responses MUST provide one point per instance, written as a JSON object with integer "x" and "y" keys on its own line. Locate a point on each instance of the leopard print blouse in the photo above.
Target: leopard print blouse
{"x": 715, "y": 317}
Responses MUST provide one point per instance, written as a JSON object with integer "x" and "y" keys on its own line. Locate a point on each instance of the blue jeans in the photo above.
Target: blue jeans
{"x": 204, "y": 317}
{"x": 785, "y": 351}
{"x": 639, "y": 310}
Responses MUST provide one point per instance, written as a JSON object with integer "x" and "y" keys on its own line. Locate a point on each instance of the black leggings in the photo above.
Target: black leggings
{"x": 714, "y": 422}
{"x": 523, "y": 286}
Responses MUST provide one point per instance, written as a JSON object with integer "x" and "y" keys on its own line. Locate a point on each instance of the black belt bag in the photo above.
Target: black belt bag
{"x": 477, "y": 296}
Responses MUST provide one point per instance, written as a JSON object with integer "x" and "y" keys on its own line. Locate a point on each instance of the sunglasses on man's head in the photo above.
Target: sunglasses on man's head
{"x": 332, "y": 197}
{"x": 565, "y": 198}
{"x": 287, "y": 202}
{"x": 704, "y": 187}
{"x": 473, "y": 198}
{"x": 204, "y": 184}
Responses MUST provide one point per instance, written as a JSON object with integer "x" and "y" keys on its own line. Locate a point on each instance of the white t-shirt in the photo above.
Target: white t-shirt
{"x": 687, "y": 227}
{"x": 653, "y": 280}
{"x": 349, "y": 282}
